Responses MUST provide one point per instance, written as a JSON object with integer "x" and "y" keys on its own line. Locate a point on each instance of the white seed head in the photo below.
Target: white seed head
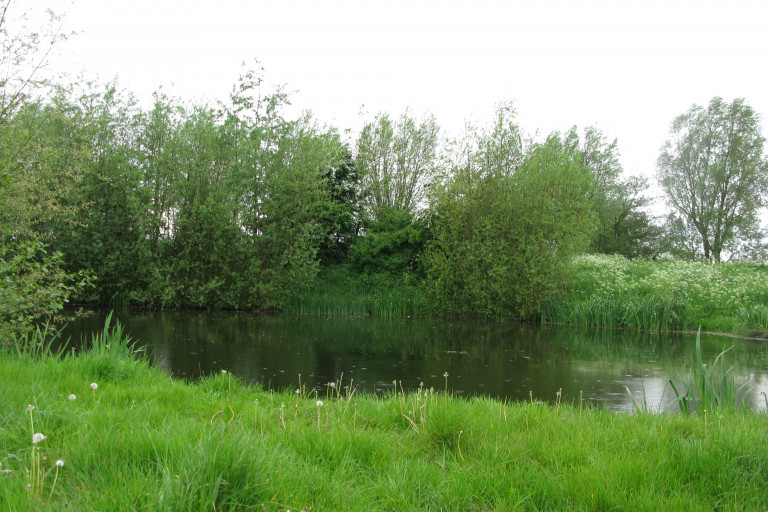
{"x": 72, "y": 397}
{"x": 332, "y": 384}
{"x": 38, "y": 438}
{"x": 319, "y": 403}
{"x": 445, "y": 375}
{"x": 94, "y": 386}
{"x": 224, "y": 372}
{"x": 60, "y": 463}
{"x": 30, "y": 408}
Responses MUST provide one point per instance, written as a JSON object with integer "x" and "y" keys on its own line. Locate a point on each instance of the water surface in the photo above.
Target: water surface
{"x": 506, "y": 361}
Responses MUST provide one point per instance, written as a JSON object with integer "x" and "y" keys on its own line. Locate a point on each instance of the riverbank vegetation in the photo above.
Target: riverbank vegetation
{"x": 244, "y": 204}
{"x": 102, "y": 429}
{"x": 667, "y": 294}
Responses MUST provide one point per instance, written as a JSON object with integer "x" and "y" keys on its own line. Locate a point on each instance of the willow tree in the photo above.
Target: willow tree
{"x": 502, "y": 239}
{"x": 396, "y": 159}
{"x": 714, "y": 174}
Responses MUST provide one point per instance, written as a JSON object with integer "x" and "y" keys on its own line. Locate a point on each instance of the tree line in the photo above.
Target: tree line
{"x": 237, "y": 205}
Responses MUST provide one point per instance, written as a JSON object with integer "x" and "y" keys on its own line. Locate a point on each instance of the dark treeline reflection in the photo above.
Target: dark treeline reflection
{"x": 510, "y": 361}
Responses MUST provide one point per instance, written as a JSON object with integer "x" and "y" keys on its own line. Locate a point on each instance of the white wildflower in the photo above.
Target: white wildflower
{"x": 94, "y": 386}
{"x": 38, "y": 438}
{"x": 72, "y": 397}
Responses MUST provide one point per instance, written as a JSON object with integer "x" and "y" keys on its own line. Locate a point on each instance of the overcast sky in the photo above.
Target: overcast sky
{"x": 626, "y": 67}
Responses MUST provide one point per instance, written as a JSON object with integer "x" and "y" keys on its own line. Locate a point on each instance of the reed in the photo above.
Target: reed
{"x": 42, "y": 342}
{"x": 392, "y": 303}
{"x": 709, "y": 386}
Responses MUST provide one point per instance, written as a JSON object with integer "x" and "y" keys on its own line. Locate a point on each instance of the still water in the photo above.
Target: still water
{"x": 506, "y": 361}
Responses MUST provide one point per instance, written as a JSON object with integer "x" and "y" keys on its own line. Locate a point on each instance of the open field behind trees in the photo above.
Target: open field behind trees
{"x": 103, "y": 430}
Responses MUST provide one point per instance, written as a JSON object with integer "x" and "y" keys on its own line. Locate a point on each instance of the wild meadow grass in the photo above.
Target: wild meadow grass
{"x": 668, "y": 294}
{"x": 103, "y": 430}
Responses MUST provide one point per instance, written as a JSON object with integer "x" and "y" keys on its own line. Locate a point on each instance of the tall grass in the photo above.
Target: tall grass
{"x": 43, "y": 341}
{"x": 709, "y": 386}
{"x": 613, "y": 292}
{"x": 339, "y": 294}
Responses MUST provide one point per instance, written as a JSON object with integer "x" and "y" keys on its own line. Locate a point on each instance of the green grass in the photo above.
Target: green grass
{"x": 338, "y": 293}
{"x": 144, "y": 441}
{"x": 613, "y": 292}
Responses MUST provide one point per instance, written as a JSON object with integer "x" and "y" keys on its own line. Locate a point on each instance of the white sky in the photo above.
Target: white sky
{"x": 627, "y": 67}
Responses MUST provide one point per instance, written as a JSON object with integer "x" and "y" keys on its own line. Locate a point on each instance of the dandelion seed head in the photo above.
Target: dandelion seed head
{"x": 297, "y": 391}
{"x": 224, "y": 372}
{"x": 332, "y": 384}
{"x": 38, "y": 438}
{"x": 445, "y": 374}
{"x": 30, "y": 408}
{"x": 94, "y": 386}
{"x": 319, "y": 403}
{"x": 60, "y": 463}
{"x": 72, "y": 397}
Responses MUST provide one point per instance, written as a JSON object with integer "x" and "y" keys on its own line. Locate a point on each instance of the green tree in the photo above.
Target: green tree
{"x": 105, "y": 232}
{"x": 624, "y": 226}
{"x": 502, "y": 240}
{"x": 340, "y": 217}
{"x": 33, "y": 283}
{"x": 391, "y": 246}
{"x": 714, "y": 174}
{"x": 397, "y": 160}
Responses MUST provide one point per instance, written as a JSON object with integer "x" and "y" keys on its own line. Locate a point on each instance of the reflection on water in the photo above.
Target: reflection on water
{"x": 500, "y": 360}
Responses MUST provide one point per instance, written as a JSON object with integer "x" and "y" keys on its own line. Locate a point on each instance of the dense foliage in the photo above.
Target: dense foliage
{"x": 669, "y": 294}
{"x": 238, "y": 205}
{"x": 715, "y": 175}
{"x": 502, "y": 240}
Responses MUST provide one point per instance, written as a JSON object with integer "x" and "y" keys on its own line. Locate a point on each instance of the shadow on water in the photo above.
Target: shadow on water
{"x": 508, "y": 361}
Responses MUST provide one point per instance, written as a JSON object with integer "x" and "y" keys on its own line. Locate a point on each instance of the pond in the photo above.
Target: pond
{"x": 508, "y": 361}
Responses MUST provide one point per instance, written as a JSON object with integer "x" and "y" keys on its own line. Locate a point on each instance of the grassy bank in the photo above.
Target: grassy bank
{"x": 120, "y": 435}
{"x": 611, "y": 291}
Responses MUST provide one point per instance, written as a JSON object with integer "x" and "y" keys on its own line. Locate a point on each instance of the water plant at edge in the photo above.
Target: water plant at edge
{"x": 709, "y": 386}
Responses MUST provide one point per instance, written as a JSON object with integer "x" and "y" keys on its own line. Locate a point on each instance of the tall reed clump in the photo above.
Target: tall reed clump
{"x": 349, "y": 297}
{"x": 43, "y": 341}
{"x": 709, "y": 387}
